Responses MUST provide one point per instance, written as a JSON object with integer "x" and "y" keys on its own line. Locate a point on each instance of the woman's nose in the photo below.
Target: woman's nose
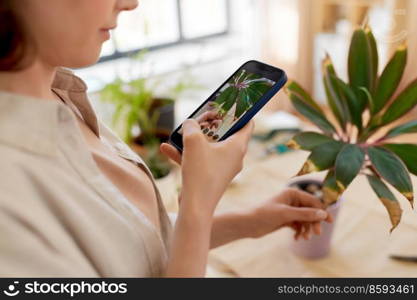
{"x": 128, "y": 4}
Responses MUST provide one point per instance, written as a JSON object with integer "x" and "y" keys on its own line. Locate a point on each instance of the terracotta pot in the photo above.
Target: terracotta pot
{"x": 318, "y": 246}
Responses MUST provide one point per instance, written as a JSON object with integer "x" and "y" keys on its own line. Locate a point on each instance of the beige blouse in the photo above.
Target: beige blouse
{"x": 75, "y": 201}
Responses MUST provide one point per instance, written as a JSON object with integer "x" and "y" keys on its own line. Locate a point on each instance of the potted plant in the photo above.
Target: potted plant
{"x": 137, "y": 108}
{"x": 364, "y": 110}
{"x": 317, "y": 246}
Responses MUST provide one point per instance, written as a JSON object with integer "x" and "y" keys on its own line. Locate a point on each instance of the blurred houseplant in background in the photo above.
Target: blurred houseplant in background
{"x": 356, "y": 139}
{"x": 143, "y": 119}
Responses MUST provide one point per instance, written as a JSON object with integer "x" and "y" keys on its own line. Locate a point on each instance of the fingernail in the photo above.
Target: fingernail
{"x": 321, "y": 214}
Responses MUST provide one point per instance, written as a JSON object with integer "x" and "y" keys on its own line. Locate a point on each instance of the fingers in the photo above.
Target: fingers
{"x": 316, "y": 228}
{"x": 216, "y": 123}
{"x": 204, "y": 124}
{"x": 202, "y": 117}
{"x": 304, "y": 214}
{"x": 306, "y": 231}
{"x": 298, "y": 230}
{"x": 206, "y": 116}
{"x": 301, "y": 198}
{"x": 212, "y": 124}
{"x": 171, "y": 152}
{"x": 330, "y": 219}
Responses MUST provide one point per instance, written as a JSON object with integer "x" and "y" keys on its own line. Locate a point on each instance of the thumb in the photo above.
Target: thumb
{"x": 305, "y": 214}
{"x": 171, "y": 152}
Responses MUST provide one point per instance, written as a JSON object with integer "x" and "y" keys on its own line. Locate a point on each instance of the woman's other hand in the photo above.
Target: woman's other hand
{"x": 293, "y": 208}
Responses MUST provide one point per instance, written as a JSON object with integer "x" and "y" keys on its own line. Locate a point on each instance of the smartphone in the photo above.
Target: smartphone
{"x": 235, "y": 102}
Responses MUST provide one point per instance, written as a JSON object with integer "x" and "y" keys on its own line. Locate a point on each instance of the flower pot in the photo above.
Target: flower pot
{"x": 318, "y": 246}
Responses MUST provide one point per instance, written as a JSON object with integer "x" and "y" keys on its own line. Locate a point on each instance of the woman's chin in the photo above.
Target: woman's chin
{"x": 82, "y": 62}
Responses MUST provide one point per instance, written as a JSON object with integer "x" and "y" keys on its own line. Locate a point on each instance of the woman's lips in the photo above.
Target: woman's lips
{"x": 105, "y": 33}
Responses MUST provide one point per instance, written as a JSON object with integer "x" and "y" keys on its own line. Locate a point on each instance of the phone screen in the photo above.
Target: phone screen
{"x": 230, "y": 103}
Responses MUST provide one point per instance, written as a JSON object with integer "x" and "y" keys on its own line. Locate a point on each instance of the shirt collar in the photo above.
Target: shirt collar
{"x": 73, "y": 89}
{"x": 32, "y": 124}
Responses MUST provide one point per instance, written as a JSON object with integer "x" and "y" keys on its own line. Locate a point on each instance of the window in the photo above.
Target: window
{"x": 163, "y": 23}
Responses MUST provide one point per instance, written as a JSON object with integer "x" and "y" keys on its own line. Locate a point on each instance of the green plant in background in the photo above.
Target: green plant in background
{"x": 244, "y": 90}
{"x": 134, "y": 106}
{"x": 353, "y": 144}
{"x": 132, "y": 102}
{"x": 157, "y": 163}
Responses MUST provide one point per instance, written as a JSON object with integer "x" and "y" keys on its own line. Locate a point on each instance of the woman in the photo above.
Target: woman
{"x": 75, "y": 201}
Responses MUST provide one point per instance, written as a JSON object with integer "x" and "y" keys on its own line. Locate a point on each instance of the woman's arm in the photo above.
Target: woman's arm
{"x": 203, "y": 186}
{"x": 230, "y": 226}
{"x": 190, "y": 245}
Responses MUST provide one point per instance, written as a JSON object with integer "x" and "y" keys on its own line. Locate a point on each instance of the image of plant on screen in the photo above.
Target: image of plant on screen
{"x": 241, "y": 93}
{"x": 235, "y": 98}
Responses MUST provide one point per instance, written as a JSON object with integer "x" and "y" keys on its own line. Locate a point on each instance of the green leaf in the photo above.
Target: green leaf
{"x": 253, "y": 94}
{"x": 331, "y": 101}
{"x": 405, "y": 102}
{"x": 361, "y": 98}
{"x": 387, "y": 198}
{"x": 360, "y": 61}
{"x": 296, "y": 88}
{"x": 331, "y": 192}
{"x": 321, "y": 158}
{"x": 392, "y": 169}
{"x": 407, "y": 153}
{"x": 227, "y": 105}
{"x": 368, "y": 97}
{"x": 240, "y": 77}
{"x": 312, "y": 114}
{"x": 225, "y": 95}
{"x": 354, "y": 106}
{"x": 335, "y": 98}
{"x": 261, "y": 86}
{"x": 410, "y": 127}
{"x": 117, "y": 113}
{"x": 130, "y": 121}
{"x": 374, "y": 55}
{"x": 308, "y": 140}
{"x": 349, "y": 162}
{"x": 242, "y": 104}
{"x": 390, "y": 78}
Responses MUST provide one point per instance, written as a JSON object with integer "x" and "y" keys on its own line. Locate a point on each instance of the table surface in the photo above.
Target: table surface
{"x": 361, "y": 242}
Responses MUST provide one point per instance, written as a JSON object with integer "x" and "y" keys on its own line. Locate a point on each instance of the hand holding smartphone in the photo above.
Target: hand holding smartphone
{"x": 235, "y": 102}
